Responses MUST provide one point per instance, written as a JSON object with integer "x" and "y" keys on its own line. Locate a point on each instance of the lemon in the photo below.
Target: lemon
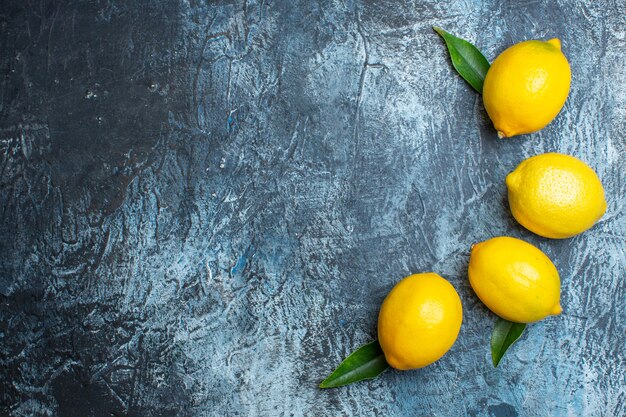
{"x": 526, "y": 87}
{"x": 555, "y": 195}
{"x": 514, "y": 279}
{"x": 419, "y": 321}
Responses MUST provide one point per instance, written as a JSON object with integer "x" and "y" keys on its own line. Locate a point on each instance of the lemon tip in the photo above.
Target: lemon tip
{"x": 556, "y": 310}
{"x": 555, "y": 42}
{"x": 475, "y": 246}
{"x": 511, "y": 180}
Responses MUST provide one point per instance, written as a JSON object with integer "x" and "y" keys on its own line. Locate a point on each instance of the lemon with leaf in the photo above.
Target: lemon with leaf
{"x": 526, "y": 87}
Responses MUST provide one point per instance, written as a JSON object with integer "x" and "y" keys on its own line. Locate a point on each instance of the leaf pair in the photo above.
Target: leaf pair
{"x": 368, "y": 361}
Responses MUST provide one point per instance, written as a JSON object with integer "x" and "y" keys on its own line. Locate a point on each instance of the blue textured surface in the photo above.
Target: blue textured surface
{"x": 203, "y": 206}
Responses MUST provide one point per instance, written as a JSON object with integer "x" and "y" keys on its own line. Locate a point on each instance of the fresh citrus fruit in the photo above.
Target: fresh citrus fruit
{"x": 526, "y": 87}
{"x": 514, "y": 279}
{"x": 419, "y": 321}
{"x": 555, "y": 195}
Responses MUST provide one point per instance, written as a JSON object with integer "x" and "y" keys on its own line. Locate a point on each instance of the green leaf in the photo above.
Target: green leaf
{"x": 505, "y": 333}
{"x": 468, "y": 61}
{"x": 366, "y": 362}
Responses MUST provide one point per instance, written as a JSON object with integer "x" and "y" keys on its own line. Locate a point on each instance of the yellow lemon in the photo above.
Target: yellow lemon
{"x": 526, "y": 87}
{"x": 514, "y": 279}
{"x": 555, "y": 195}
{"x": 419, "y": 321}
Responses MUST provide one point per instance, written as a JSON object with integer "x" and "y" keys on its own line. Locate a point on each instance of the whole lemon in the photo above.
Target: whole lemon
{"x": 419, "y": 321}
{"x": 526, "y": 87}
{"x": 555, "y": 195}
{"x": 514, "y": 279}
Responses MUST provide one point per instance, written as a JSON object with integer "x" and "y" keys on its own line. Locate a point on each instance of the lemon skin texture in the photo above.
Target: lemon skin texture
{"x": 419, "y": 321}
{"x": 555, "y": 195}
{"x": 514, "y": 279}
{"x": 526, "y": 87}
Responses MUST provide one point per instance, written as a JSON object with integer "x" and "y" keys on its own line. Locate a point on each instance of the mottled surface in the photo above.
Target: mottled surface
{"x": 203, "y": 206}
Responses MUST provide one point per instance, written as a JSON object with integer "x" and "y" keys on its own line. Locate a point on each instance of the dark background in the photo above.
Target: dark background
{"x": 204, "y": 203}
